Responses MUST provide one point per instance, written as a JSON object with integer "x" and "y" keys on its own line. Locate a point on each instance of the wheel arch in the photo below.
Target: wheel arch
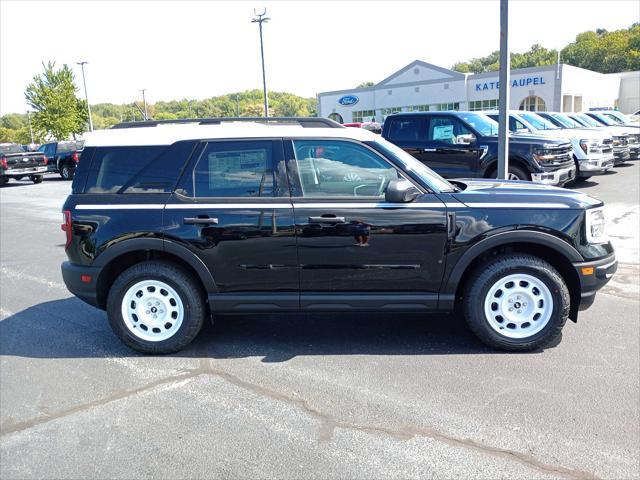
{"x": 123, "y": 255}
{"x": 543, "y": 245}
{"x": 492, "y": 166}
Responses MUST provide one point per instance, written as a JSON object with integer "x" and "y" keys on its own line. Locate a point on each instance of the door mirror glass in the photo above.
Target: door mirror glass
{"x": 400, "y": 191}
{"x": 465, "y": 139}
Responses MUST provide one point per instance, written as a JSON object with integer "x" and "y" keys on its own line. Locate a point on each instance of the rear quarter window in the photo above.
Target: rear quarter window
{"x": 137, "y": 169}
{"x": 405, "y": 129}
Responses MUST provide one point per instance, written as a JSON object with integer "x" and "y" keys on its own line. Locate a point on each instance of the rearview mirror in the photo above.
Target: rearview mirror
{"x": 400, "y": 191}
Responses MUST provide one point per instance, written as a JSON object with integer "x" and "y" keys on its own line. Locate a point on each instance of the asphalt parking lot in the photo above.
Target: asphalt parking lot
{"x": 305, "y": 396}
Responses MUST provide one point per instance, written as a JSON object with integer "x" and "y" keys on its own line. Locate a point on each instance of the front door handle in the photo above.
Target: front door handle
{"x": 327, "y": 220}
{"x": 428, "y": 150}
{"x": 200, "y": 220}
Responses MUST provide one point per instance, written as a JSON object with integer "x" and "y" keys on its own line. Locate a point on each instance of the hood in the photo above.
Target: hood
{"x": 516, "y": 194}
{"x": 529, "y": 138}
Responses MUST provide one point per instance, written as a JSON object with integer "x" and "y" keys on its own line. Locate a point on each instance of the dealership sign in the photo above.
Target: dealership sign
{"x": 521, "y": 82}
{"x": 348, "y": 100}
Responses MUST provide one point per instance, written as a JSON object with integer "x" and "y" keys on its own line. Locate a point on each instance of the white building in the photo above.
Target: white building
{"x": 422, "y": 86}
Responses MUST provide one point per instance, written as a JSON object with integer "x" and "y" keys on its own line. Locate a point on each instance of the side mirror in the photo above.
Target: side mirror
{"x": 400, "y": 191}
{"x": 466, "y": 139}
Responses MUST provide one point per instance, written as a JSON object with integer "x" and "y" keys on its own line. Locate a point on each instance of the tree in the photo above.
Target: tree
{"x": 59, "y": 113}
{"x": 605, "y": 52}
{"x": 366, "y": 84}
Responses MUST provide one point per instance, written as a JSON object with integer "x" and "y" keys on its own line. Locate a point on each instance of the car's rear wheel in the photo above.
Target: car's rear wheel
{"x": 156, "y": 307}
{"x": 66, "y": 172}
{"x": 3, "y": 181}
{"x": 37, "y": 178}
{"x": 517, "y": 302}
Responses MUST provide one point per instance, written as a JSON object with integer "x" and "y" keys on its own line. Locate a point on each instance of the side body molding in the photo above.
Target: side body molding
{"x": 159, "y": 245}
{"x": 450, "y": 285}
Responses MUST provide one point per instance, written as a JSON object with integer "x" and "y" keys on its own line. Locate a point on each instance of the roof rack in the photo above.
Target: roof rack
{"x": 305, "y": 122}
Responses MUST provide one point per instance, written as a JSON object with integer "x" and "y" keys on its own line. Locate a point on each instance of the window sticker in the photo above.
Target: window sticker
{"x": 443, "y": 132}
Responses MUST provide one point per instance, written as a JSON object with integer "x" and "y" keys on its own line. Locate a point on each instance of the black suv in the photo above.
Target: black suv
{"x": 465, "y": 145}
{"x": 169, "y": 223}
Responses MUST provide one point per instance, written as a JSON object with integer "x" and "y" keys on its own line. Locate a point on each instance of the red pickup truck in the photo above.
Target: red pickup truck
{"x": 16, "y": 163}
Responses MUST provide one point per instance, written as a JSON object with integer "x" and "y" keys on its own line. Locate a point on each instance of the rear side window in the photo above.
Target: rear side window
{"x": 235, "y": 169}
{"x": 405, "y": 129}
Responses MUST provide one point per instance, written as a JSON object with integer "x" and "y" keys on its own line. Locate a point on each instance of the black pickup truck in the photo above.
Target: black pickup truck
{"x": 16, "y": 163}
{"x": 465, "y": 145}
{"x": 63, "y": 157}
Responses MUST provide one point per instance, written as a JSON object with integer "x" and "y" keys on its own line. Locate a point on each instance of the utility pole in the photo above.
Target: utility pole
{"x": 237, "y": 105}
{"x": 86, "y": 94}
{"x": 503, "y": 97}
{"x": 144, "y": 102}
{"x": 30, "y": 129}
{"x": 259, "y": 19}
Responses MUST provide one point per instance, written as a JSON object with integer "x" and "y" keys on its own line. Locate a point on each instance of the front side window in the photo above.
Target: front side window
{"x": 446, "y": 130}
{"x": 337, "y": 168}
{"x": 538, "y": 122}
{"x": 234, "y": 169}
{"x": 482, "y": 124}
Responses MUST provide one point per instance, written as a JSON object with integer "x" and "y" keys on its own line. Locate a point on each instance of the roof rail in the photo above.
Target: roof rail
{"x": 305, "y": 122}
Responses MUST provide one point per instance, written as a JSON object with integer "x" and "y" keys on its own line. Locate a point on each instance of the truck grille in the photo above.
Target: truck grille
{"x": 556, "y": 156}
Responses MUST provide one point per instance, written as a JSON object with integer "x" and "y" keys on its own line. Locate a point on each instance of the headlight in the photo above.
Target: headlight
{"x": 595, "y": 225}
{"x": 588, "y": 145}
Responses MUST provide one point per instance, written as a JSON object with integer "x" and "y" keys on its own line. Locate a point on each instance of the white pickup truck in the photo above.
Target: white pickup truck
{"x": 592, "y": 148}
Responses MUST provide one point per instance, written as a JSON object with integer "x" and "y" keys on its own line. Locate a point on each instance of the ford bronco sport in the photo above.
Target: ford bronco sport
{"x": 172, "y": 222}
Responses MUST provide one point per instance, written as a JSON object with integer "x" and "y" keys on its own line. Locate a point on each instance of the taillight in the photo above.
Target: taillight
{"x": 46, "y": 159}
{"x": 3, "y": 162}
{"x": 66, "y": 226}
{"x": 75, "y": 157}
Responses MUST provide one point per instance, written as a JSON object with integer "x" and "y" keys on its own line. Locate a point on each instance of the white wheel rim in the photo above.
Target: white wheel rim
{"x": 152, "y": 310}
{"x": 513, "y": 176}
{"x": 518, "y": 306}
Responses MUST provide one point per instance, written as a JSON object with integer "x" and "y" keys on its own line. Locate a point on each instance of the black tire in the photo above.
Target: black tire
{"x": 189, "y": 291}
{"x": 3, "y": 181}
{"x": 66, "y": 172}
{"x": 519, "y": 172}
{"x": 490, "y": 272}
{"x": 19, "y": 177}
{"x": 37, "y": 178}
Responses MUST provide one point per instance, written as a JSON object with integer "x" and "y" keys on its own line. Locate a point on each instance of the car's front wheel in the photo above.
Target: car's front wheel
{"x": 156, "y": 307}
{"x": 37, "y": 178}
{"x": 517, "y": 302}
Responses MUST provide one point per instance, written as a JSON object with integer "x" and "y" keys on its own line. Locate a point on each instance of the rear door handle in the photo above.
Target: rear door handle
{"x": 200, "y": 220}
{"x": 428, "y": 150}
{"x": 327, "y": 220}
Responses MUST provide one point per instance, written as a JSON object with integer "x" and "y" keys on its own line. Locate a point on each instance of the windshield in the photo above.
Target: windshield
{"x": 619, "y": 118}
{"x": 537, "y": 121}
{"x": 588, "y": 120}
{"x": 565, "y": 120}
{"x": 409, "y": 163}
{"x": 11, "y": 148}
{"x": 604, "y": 119}
{"x": 484, "y": 125}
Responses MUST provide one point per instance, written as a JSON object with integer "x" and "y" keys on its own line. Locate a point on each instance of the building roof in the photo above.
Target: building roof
{"x": 168, "y": 133}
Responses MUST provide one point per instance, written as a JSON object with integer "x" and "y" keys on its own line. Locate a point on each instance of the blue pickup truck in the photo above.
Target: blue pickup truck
{"x": 63, "y": 157}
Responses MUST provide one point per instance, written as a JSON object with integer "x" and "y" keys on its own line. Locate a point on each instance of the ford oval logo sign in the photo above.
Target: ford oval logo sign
{"x": 348, "y": 100}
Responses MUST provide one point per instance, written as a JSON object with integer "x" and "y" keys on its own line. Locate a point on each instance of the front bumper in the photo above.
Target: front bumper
{"x": 85, "y": 291}
{"x": 21, "y": 172}
{"x": 557, "y": 177}
{"x": 621, "y": 155}
{"x": 595, "y": 166}
{"x": 634, "y": 151}
{"x": 593, "y": 276}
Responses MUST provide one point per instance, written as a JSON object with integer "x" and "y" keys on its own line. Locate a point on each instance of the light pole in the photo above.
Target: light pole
{"x": 144, "y": 102}
{"x": 237, "y": 106}
{"x": 30, "y": 129}
{"x": 259, "y": 19}
{"x": 86, "y": 94}
{"x": 503, "y": 95}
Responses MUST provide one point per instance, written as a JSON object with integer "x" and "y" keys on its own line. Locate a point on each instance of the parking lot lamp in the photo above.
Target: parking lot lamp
{"x": 144, "y": 102}
{"x": 86, "y": 94}
{"x": 259, "y": 19}
{"x": 503, "y": 96}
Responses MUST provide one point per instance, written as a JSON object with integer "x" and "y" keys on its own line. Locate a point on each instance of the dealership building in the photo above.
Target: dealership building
{"x": 421, "y": 86}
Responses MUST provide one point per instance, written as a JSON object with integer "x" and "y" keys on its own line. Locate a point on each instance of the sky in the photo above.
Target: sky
{"x": 200, "y": 49}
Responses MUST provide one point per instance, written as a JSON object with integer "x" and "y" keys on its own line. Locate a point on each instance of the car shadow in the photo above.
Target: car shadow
{"x": 69, "y": 328}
